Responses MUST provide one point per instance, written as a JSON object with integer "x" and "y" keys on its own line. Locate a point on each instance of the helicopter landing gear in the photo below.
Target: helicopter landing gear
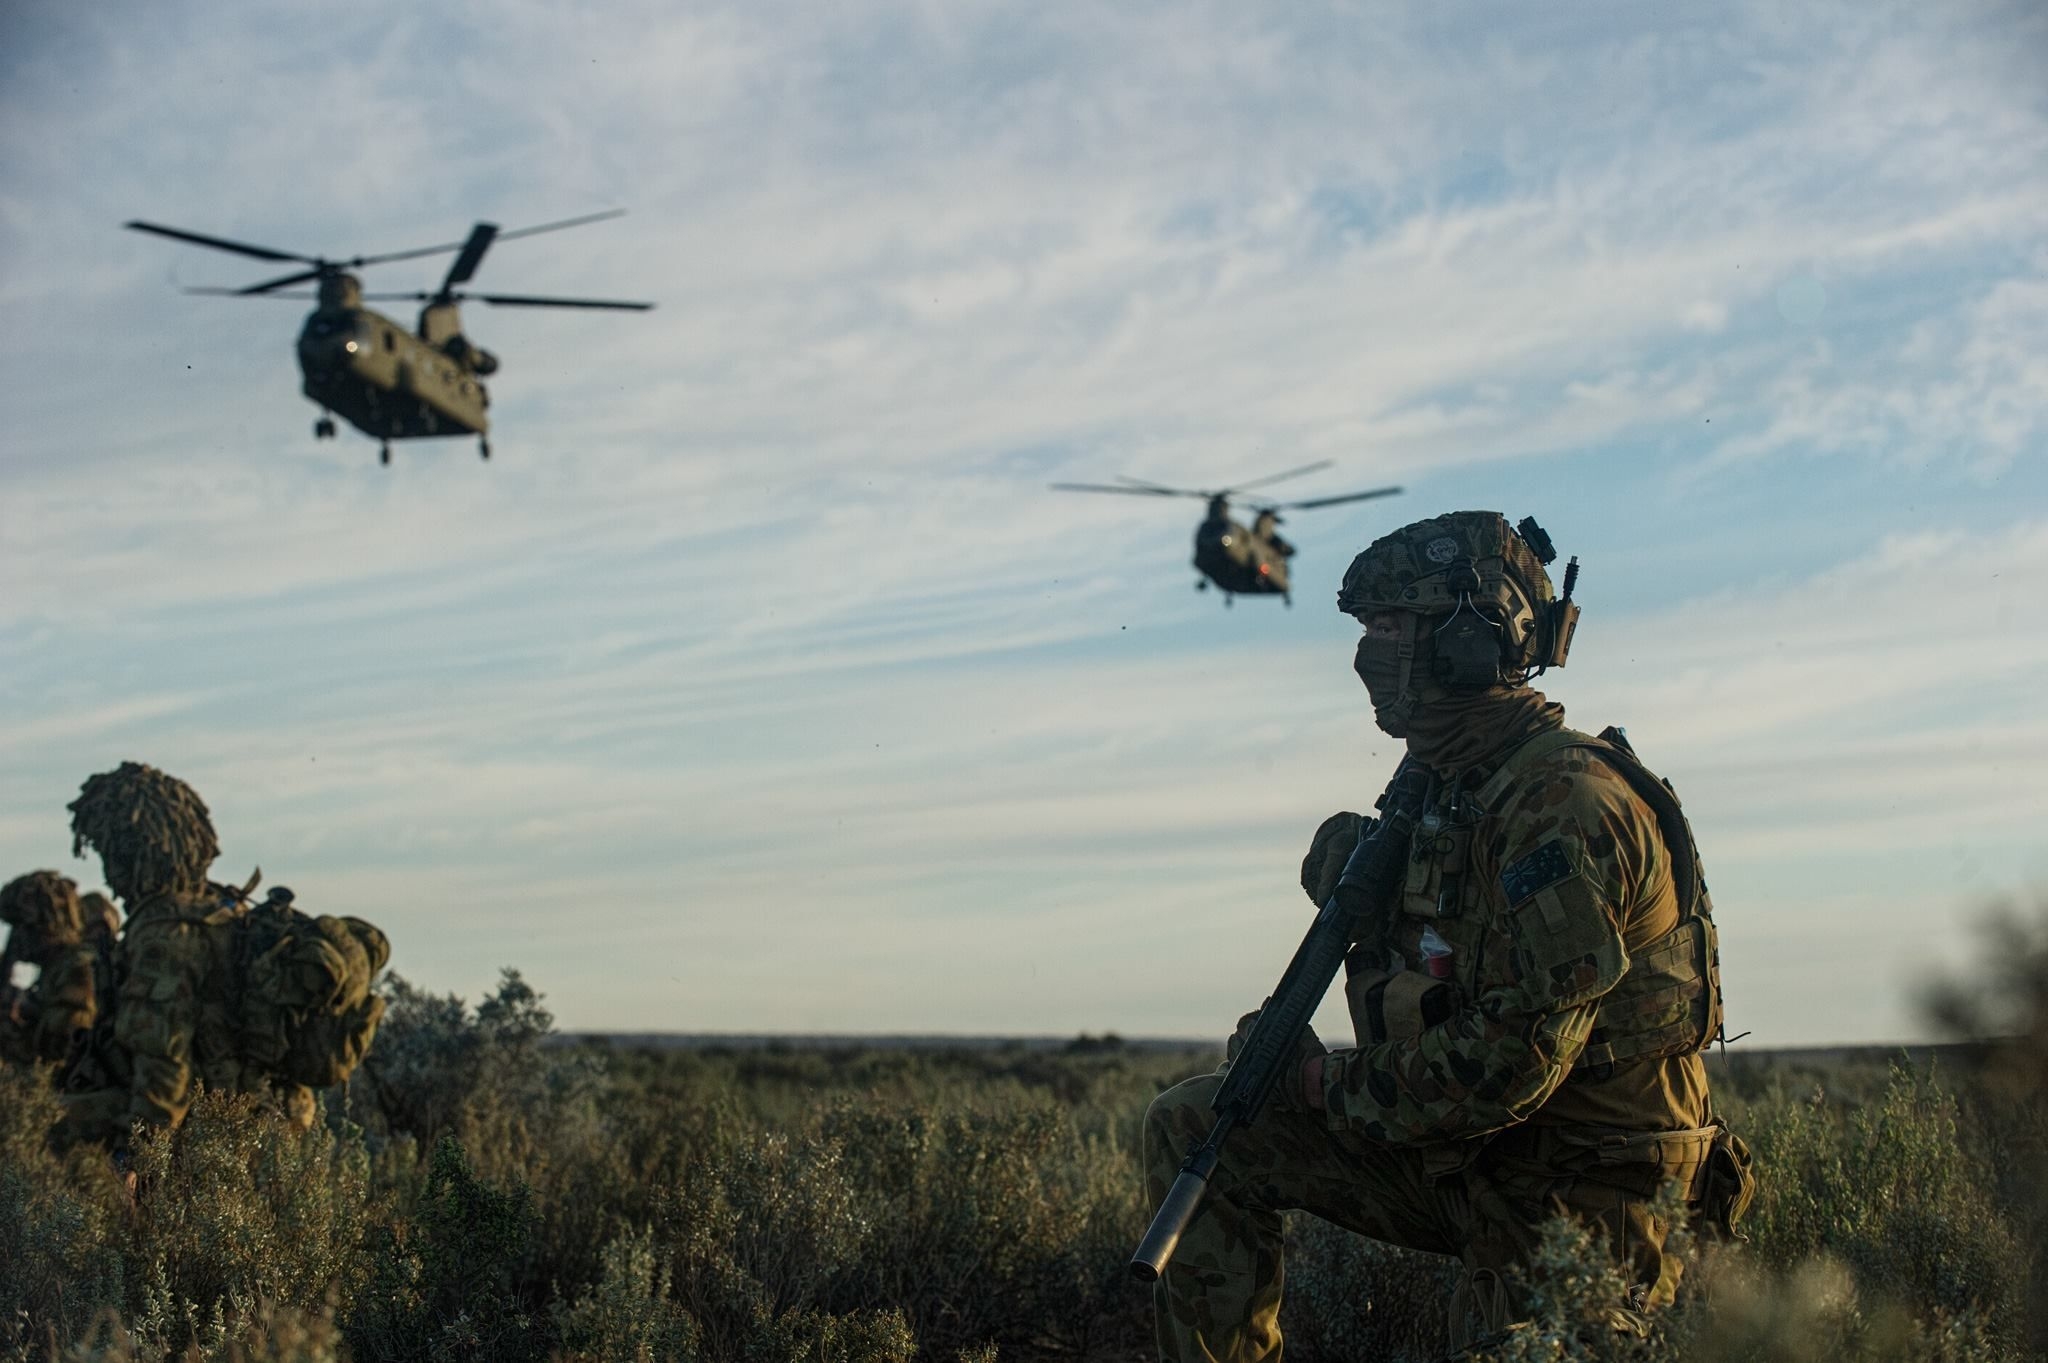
{"x": 483, "y": 448}
{"x": 1201, "y": 584}
{"x": 323, "y": 429}
{"x": 1287, "y": 600}
{"x": 384, "y": 453}
{"x": 1229, "y": 600}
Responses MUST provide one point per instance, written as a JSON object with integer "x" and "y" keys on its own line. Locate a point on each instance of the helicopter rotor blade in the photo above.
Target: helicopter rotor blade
{"x": 241, "y": 248}
{"x": 1314, "y": 502}
{"x": 519, "y": 300}
{"x": 284, "y": 281}
{"x": 1126, "y": 479}
{"x": 1278, "y": 477}
{"x": 558, "y": 226}
{"x": 1128, "y": 491}
{"x": 508, "y": 300}
{"x": 217, "y": 292}
{"x": 446, "y": 246}
{"x": 480, "y": 238}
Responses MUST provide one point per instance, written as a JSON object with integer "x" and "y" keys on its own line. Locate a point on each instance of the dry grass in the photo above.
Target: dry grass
{"x": 855, "y": 1206}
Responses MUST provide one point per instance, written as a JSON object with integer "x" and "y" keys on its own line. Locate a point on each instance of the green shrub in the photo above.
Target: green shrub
{"x": 875, "y": 1206}
{"x": 1008, "y": 1227}
{"x": 263, "y": 1333}
{"x": 523, "y": 1112}
{"x": 1897, "y": 1191}
{"x": 1349, "y": 1297}
{"x": 447, "y": 1281}
{"x": 61, "y": 1264}
{"x": 627, "y": 1316}
{"x": 238, "y": 1207}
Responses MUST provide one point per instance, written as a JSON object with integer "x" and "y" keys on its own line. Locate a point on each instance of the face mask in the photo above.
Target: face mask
{"x": 1378, "y": 665}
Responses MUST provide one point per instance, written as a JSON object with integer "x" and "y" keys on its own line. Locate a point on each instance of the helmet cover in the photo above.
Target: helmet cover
{"x": 44, "y": 905}
{"x": 1464, "y": 560}
{"x": 151, "y": 830}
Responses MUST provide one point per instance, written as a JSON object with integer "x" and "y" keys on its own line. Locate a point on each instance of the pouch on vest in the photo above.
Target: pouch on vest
{"x": 1395, "y": 1005}
{"x": 1728, "y": 1185}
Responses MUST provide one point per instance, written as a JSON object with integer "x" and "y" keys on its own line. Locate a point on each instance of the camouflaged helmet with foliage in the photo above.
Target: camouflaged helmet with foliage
{"x": 151, "y": 830}
{"x": 1429, "y": 566}
{"x": 43, "y": 905}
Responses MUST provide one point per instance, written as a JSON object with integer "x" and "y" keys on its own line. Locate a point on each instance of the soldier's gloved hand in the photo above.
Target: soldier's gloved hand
{"x": 1291, "y": 1093}
{"x": 1331, "y": 847}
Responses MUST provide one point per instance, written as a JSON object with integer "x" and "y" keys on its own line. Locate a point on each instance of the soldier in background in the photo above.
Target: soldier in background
{"x": 244, "y": 997}
{"x": 174, "y": 1015}
{"x": 1527, "y": 1028}
{"x": 49, "y": 929}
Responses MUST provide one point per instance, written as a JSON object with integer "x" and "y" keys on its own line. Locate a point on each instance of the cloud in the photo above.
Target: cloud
{"x": 759, "y": 646}
{"x": 1982, "y": 409}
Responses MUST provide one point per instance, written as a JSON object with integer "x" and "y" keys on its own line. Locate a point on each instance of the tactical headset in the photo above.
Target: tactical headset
{"x": 1502, "y": 623}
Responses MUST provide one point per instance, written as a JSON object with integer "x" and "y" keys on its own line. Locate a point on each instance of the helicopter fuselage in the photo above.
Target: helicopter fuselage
{"x": 1240, "y": 560}
{"x": 388, "y": 382}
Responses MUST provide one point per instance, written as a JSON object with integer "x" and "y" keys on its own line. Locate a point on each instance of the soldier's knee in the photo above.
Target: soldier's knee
{"x": 1176, "y": 1116}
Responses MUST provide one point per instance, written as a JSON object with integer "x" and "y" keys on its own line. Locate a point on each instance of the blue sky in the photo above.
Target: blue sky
{"x": 759, "y": 684}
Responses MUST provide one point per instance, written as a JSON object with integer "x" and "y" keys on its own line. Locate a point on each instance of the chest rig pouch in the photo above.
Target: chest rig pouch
{"x": 1669, "y": 1002}
{"x": 1406, "y": 980}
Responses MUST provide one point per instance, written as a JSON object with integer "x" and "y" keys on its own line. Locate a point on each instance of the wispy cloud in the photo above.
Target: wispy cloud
{"x": 759, "y": 651}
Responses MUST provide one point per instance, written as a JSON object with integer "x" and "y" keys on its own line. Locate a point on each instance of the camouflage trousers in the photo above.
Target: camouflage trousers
{"x": 1219, "y": 1299}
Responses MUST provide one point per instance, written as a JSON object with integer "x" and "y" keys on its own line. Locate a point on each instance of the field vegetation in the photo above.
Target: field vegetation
{"x": 481, "y": 1192}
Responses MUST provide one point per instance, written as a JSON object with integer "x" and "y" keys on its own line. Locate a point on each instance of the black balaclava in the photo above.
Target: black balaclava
{"x": 1449, "y": 729}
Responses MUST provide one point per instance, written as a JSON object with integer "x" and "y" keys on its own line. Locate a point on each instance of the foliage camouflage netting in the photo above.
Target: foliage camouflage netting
{"x": 151, "y": 830}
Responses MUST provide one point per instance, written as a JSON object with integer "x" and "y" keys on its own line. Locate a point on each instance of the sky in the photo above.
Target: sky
{"x": 759, "y": 683}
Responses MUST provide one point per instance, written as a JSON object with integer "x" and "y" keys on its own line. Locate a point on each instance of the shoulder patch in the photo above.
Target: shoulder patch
{"x": 1541, "y": 869}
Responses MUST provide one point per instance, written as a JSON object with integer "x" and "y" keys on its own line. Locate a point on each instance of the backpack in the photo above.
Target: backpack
{"x": 306, "y": 1014}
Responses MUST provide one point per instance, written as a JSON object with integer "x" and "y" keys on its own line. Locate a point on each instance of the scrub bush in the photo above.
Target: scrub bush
{"x": 847, "y": 1205}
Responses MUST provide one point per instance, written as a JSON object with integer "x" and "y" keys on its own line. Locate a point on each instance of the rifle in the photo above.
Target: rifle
{"x": 1361, "y": 895}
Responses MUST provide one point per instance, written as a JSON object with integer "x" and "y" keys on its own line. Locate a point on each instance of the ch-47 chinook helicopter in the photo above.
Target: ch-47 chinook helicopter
{"x": 391, "y": 383}
{"x": 1240, "y": 560}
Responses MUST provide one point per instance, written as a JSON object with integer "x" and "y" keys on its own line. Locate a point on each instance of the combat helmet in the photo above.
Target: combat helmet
{"x": 151, "y": 830}
{"x": 1476, "y": 601}
{"x": 43, "y": 907}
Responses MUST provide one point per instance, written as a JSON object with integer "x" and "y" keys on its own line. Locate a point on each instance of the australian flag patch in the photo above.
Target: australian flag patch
{"x": 1542, "y": 868}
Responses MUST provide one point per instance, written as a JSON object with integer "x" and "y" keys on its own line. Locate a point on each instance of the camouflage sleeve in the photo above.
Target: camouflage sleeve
{"x": 66, "y": 1002}
{"x": 157, "y": 1016}
{"x": 1559, "y": 865}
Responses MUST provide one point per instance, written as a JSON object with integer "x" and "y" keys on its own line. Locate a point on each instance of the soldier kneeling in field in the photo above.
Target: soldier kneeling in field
{"x": 210, "y": 990}
{"x": 1529, "y": 1019}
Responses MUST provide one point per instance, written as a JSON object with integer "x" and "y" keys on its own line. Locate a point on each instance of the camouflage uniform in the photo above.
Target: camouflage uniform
{"x": 175, "y": 1018}
{"x": 48, "y": 931}
{"x": 1527, "y": 1028}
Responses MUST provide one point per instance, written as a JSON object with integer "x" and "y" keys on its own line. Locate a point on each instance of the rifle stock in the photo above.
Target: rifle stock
{"x": 1262, "y": 1061}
